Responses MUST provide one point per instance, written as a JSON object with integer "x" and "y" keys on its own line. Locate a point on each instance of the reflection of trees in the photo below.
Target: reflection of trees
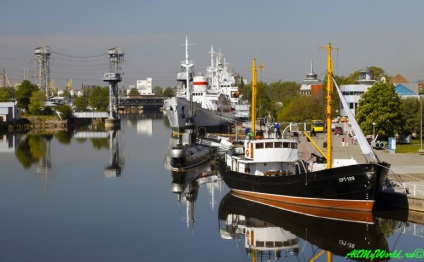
{"x": 30, "y": 150}
{"x": 389, "y": 226}
{"x": 81, "y": 140}
{"x": 100, "y": 143}
{"x": 64, "y": 137}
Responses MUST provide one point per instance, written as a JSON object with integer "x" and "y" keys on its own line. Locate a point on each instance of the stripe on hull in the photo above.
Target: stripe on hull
{"x": 358, "y": 205}
{"x": 334, "y": 214}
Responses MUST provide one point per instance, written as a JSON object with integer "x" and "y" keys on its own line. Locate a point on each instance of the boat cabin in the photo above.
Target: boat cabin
{"x": 266, "y": 157}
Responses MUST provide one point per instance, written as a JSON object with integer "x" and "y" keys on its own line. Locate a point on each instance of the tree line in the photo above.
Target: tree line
{"x": 380, "y": 109}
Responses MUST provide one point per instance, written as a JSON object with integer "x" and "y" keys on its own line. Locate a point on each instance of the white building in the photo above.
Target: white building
{"x": 9, "y": 111}
{"x": 352, "y": 93}
{"x": 144, "y": 87}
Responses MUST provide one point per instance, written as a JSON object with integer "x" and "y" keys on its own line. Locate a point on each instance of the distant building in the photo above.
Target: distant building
{"x": 407, "y": 89}
{"x": 144, "y": 87}
{"x": 9, "y": 111}
{"x": 403, "y": 87}
{"x": 352, "y": 93}
{"x": 311, "y": 85}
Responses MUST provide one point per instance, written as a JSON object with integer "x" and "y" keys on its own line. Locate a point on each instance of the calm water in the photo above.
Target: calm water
{"x": 71, "y": 197}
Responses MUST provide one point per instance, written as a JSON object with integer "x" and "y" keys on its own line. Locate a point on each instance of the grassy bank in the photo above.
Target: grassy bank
{"x": 409, "y": 148}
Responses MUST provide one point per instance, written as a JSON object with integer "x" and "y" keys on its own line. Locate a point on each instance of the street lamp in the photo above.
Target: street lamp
{"x": 421, "y": 111}
{"x": 373, "y": 130}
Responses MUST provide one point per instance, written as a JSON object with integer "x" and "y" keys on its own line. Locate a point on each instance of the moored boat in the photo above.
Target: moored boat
{"x": 270, "y": 168}
{"x": 216, "y": 100}
{"x": 186, "y": 152}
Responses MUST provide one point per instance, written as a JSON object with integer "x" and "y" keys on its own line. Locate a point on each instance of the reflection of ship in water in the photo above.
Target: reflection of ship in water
{"x": 271, "y": 229}
{"x": 185, "y": 184}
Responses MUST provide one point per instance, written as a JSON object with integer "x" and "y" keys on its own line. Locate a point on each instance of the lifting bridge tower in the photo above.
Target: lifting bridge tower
{"x": 116, "y": 58}
{"x": 42, "y": 64}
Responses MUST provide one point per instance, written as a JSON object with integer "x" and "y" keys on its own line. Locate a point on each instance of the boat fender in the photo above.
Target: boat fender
{"x": 247, "y": 152}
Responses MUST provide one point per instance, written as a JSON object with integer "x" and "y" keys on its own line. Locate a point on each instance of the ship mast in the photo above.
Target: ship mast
{"x": 187, "y": 65}
{"x": 328, "y": 108}
{"x": 254, "y": 92}
{"x": 253, "y": 120}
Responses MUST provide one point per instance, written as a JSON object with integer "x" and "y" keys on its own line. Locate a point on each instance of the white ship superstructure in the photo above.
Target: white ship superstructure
{"x": 215, "y": 96}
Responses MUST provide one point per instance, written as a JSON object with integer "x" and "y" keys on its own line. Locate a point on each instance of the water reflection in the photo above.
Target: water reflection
{"x": 143, "y": 122}
{"x": 272, "y": 230}
{"x": 34, "y": 149}
{"x": 8, "y": 142}
{"x": 185, "y": 184}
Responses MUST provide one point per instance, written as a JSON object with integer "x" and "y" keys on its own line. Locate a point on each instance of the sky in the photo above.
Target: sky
{"x": 283, "y": 35}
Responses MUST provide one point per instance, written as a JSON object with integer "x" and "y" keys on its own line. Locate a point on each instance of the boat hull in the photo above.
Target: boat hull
{"x": 184, "y": 157}
{"x": 352, "y": 187}
{"x": 177, "y": 111}
{"x": 336, "y": 231}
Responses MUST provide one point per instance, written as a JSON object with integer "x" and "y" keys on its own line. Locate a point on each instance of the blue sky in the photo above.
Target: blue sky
{"x": 283, "y": 35}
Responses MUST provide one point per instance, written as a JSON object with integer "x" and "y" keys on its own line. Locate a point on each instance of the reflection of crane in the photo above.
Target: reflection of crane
{"x": 69, "y": 84}
{"x": 4, "y": 80}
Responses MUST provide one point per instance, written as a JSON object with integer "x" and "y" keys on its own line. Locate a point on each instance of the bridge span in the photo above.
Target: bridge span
{"x": 146, "y": 102}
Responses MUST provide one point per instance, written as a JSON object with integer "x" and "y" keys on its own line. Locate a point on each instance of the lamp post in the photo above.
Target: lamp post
{"x": 373, "y": 130}
{"x": 421, "y": 126}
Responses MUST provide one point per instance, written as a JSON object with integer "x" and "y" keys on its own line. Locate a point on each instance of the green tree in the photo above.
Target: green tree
{"x": 381, "y": 105}
{"x": 36, "y": 104}
{"x": 133, "y": 92}
{"x": 157, "y": 90}
{"x": 302, "y": 108}
{"x": 5, "y": 95}
{"x": 263, "y": 102}
{"x": 24, "y": 93}
{"x": 168, "y": 92}
{"x": 65, "y": 112}
{"x": 99, "y": 98}
{"x": 411, "y": 112}
{"x": 81, "y": 103}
